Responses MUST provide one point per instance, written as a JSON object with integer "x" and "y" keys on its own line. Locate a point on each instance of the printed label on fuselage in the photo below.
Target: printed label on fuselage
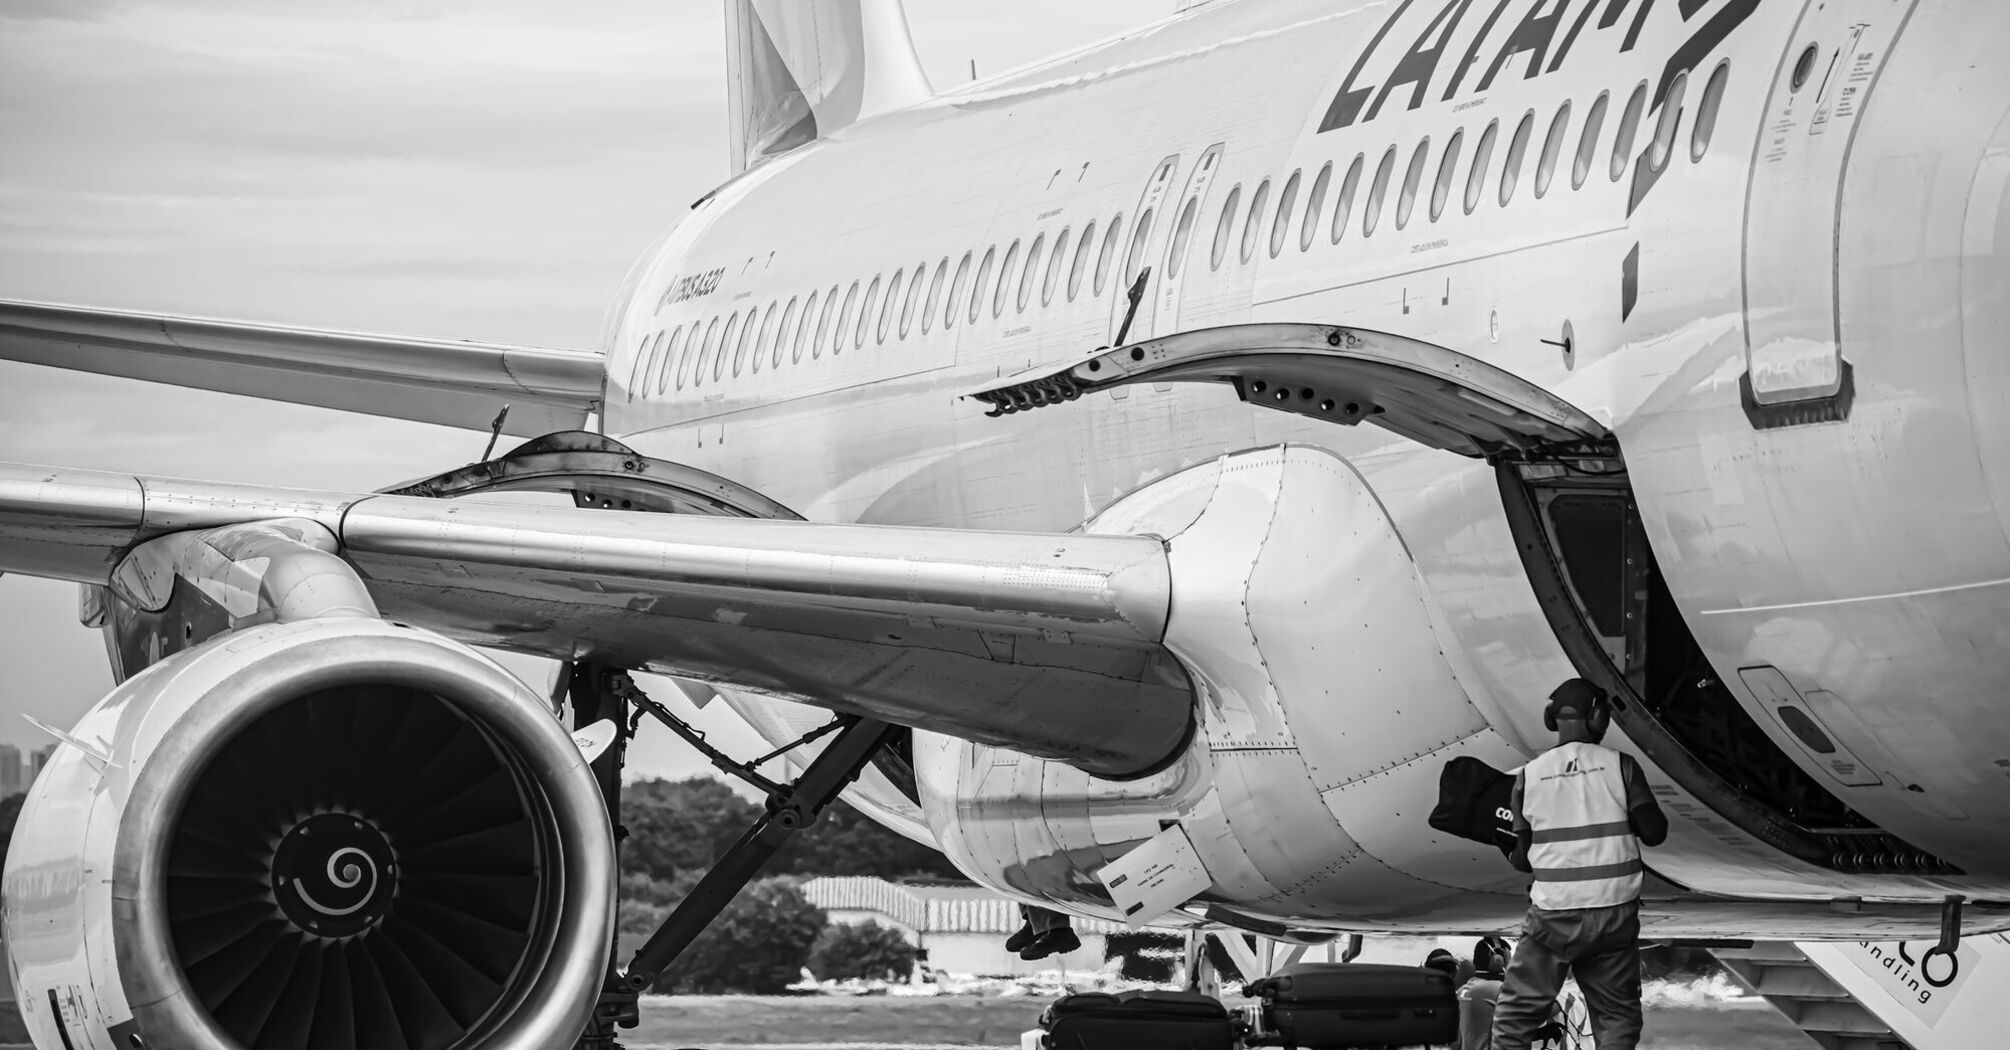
{"x": 695, "y": 286}
{"x": 1922, "y": 985}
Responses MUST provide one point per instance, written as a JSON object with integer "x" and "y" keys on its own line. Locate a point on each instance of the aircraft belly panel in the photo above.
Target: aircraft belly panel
{"x": 1368, "y": 687}
{"x": 1386, "y": 813}
{"x": 1280, "y": 825}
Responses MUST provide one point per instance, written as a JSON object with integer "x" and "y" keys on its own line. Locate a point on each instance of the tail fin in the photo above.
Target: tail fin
{"x": 797, "y": 70}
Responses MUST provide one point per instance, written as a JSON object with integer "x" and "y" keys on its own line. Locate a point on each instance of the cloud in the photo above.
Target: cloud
{"x": 480, "y": 169}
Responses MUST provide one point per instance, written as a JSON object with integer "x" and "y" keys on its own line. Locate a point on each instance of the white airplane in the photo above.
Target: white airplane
{"x": 1677, "y": 330}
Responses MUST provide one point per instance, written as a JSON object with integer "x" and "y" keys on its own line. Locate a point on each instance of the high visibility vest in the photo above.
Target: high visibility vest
{"x": 1583, "y": 849}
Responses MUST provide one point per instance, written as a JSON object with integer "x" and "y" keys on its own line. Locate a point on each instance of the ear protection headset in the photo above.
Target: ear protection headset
{"x": 1597, "y": 714}
{"x": 1490, "y": 955}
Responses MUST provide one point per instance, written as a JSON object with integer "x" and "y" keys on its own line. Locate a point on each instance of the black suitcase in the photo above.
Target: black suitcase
{"x": 1141, "y": 1019}
{"x": 1336, "y": 1006}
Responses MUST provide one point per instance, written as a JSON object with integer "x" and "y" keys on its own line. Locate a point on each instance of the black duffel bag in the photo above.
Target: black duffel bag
{"x": 1473, "y": 800}
{"x": 1341, "y": 1006}
{"x": 1144, "y": 1020}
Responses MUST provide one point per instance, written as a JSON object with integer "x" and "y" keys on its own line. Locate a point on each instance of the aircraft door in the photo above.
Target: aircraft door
{"x": 1186, "y": 220}
{"x": 1795, "y": 369}
{"x": 1137, "y": 254}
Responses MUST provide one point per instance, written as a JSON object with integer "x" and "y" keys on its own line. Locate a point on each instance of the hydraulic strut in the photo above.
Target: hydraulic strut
{"x": 789, "y": 809}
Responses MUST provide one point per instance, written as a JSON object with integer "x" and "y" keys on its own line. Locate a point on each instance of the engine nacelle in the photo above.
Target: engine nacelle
{"x": 336, "y": 827}
{"x": 1329, "y": 705}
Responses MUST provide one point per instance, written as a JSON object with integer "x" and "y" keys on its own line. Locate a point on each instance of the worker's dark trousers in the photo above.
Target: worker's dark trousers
{"x": 1600, "y": 947}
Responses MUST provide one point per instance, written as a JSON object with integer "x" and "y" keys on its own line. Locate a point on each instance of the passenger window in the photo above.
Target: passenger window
{"x": 1448, "y": 173}
{"x": 823, "y": 322}
{"x": 1222, "y": 228}
{"x": 767, "y": 333}
{"x": 1587, "y": 141}
{"x": 1483, "y": 156}
{"x": 782, "y": 331}
{"x": 1413, "y": 180}
{"x": 865, "y": 316}
{"x": 977, "y": 286}
{"x": 1280, "y": 224}
{"x": 1371, "y": 211}
{"x": 1252, "y": 223}
{"x": 649, "y": 360}
{"x": 1033, "y": 255}
{"x": 934, "y": 295}
{"x": 1629, "y": 125}
{"x": 693, "y": 352}
{"x": 1517, "y": 149}
{"x": 1112, "y": 238}
{"x": 674, "y": 359}
{"x": 1080, "y": 267}
{"x": 1315, "y": 205}
{"x": 656, "y": 377}
{"x": 1343, "y": 209}
{"x": 747, "y": 333}
{"x": 1135, "y": 258}
{"x": 845, "y": 316}
{"x": 1054, "y": 261}
{"x": 1004, "y": 289}
{"x": 704, "y": 353}
{"x": 1552, "y": 148}
{"x": 638, "y": 374}
{"x": 913, "y": 298}
{"x": 1706, "y": 111}
{"x": 730, "y": 342}
{"x": 956, "y": 292}
{"x": 1182, "y": 233}
{"x": 887, "y": 308}
{"x": 803, "y": 331}
{"x": 1671, "y": 116}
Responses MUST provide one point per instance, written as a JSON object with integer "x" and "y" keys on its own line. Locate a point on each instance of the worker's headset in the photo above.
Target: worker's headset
{"x": 1491, "y": 955}
{"x": 1598, "y": 719}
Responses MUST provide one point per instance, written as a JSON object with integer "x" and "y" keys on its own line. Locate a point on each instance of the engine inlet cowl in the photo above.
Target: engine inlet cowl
{"x": 341, "y": 833}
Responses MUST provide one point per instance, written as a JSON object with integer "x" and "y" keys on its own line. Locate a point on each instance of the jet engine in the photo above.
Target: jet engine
{"x": 335, "y": 832}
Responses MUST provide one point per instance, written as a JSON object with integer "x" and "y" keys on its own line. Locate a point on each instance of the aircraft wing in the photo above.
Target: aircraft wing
{"x": 1047, "y": 644}
{"x": 429, "y": 380}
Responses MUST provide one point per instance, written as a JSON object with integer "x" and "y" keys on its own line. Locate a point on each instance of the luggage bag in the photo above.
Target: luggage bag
{"x": 1339, "y": 1006}
{"x": 1141, "y": 1019}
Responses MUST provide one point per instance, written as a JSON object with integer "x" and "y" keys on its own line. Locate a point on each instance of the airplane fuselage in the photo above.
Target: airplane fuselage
{"x": 1759, "y": 241}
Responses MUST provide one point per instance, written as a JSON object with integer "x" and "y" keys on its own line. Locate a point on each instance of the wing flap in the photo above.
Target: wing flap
{"x": 428, "y": 380}
{"x": 1047, "y": 644}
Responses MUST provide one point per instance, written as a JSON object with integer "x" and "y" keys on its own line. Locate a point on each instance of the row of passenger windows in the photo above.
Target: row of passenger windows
{"x": 705, "y": 351}
{"x": 1478, "y": 176}
{"x": 894, "y": 307}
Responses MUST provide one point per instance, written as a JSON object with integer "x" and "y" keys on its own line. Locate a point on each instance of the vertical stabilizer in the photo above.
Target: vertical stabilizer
{"x": 800, "y": 69}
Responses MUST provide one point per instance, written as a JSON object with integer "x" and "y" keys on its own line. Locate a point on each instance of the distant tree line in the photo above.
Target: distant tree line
{"x": 678, "y": 828}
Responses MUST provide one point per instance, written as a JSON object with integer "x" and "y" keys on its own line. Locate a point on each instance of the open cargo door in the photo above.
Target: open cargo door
{"x": 1432, "y": 395}
{"x": 1568, "y": 500}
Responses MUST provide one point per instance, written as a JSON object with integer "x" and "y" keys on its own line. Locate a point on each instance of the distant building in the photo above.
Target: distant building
{"x": 38, "y": 761}
{"x": 12, "y": 778}
{"x": 963, "y": 928}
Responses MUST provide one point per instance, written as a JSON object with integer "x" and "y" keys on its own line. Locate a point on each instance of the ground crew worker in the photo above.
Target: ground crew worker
{"x": 1478, "y": 995}
{"x": 1581, "y": 814}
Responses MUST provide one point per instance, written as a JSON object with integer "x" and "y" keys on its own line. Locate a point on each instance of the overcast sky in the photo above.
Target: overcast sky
{"x": 481, "y": 169}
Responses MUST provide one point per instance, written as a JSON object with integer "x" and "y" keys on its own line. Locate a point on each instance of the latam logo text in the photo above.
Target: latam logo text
{"x": 1432, "y": 45}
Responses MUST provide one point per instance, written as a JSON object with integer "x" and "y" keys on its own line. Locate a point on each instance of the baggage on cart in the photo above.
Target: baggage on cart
{"x": 1341, "y": 1006}
{"x": 1140, "y": 1020}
